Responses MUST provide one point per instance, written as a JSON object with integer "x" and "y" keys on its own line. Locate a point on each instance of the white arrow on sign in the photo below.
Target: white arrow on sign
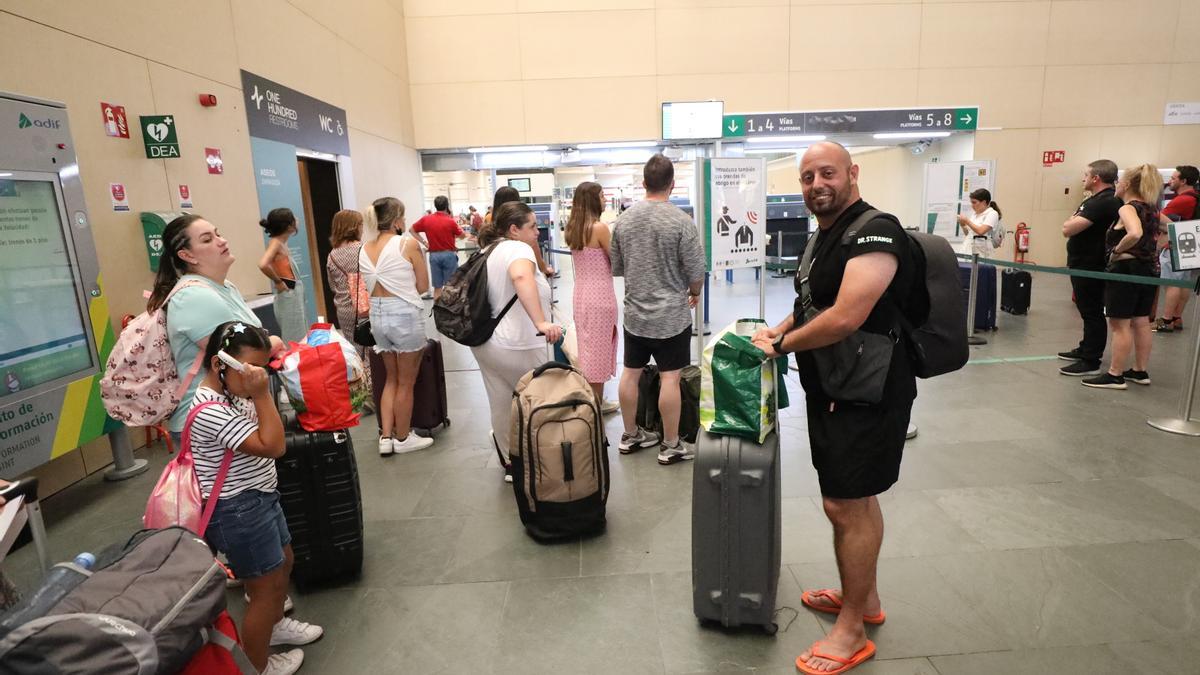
{"x": 966, "y": 118}
{"x": 733, "y": 127}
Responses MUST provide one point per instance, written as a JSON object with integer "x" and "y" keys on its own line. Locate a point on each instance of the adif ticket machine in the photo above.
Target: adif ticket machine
{"x": 54, "y": 322}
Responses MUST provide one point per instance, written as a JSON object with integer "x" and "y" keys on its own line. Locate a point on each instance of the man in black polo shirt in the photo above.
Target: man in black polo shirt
{"x": 859, "y": 281}
{"x": 1085, "y": 251}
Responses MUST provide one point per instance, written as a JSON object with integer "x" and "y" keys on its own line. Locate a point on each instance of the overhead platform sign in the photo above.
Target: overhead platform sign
{"x": 849, "y": 122}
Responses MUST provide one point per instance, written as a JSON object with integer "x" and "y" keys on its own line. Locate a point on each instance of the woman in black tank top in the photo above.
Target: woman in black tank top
{"x": 1130, "y": 245}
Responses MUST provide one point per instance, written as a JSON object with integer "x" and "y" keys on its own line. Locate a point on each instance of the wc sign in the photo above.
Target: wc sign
{"x": 159, "y": 137}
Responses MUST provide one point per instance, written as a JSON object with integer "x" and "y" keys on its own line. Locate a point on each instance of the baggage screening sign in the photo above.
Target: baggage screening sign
{"x": 736, "y": 213}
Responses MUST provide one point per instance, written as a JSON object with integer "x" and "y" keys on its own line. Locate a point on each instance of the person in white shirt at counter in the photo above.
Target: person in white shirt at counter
{"x": 977, "y": 227}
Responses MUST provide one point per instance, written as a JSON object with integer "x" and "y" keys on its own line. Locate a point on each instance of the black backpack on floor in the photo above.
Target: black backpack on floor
{"x": 463, "y": 312}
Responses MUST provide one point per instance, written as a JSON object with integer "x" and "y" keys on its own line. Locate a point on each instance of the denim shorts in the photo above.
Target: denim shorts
{"x": 442, "y": 264}
{"x": 397, "y": 324}
{"x": 249, "y": 528}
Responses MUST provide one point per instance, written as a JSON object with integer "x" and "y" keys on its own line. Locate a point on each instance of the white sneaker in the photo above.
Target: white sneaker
{"x": 411, "y": 444}
{"x": 284, "y": 664}
{"x": 609, "y": 407}
{"x": 287, "y": 603}
{"x": 292, "y": 632}
{"x": 386, "y": 446}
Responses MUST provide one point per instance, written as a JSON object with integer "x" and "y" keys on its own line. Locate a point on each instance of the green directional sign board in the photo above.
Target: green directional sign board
{"x": 158, "y": 134}
{"x": 850, "y": 122}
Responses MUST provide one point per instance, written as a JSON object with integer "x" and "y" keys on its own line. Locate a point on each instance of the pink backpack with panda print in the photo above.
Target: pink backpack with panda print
{"x": 141, "y": 384}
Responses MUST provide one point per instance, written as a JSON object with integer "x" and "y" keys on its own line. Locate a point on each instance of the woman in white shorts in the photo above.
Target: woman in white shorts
{"x": 393, "y": 268}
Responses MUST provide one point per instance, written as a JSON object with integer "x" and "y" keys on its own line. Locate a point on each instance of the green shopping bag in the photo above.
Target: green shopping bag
{"x": 741, "y": 392}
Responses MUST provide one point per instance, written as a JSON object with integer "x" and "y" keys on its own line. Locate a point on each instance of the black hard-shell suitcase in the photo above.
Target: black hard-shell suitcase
{"x": 985, "y": 294}
{"x": 1016, "y": 289}
{"x": 736, "y": 530}
{"x": 689, "y": 412}
{"x": 321, "y": 500}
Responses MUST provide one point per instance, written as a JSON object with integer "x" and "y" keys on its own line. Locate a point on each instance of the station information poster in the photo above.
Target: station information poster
{"x": 737, "y": 213}
{"x": 1184, "y": 253}
{"x": 42, "y": 331}
{"x": 948, "y": 186}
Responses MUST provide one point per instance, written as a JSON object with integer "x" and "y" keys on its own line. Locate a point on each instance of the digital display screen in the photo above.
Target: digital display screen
{"x": 519, "y": 184}
{"x": 43, "y": 334}
{"x": 692, "y": 120}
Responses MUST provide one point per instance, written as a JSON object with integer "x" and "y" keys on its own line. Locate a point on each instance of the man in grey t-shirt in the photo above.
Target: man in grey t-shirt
{"x": 660, "y": 246}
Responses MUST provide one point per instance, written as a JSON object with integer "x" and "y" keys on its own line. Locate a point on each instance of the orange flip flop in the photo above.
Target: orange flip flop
{"x": 859, "y": 657}
{"x": 835, "y": 605}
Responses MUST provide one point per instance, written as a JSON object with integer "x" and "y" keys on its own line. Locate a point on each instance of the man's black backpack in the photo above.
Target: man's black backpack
{"x": 463, "y": 312}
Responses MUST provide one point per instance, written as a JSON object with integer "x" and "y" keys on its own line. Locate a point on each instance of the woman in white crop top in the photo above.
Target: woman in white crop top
{"x": 393, "y": 268}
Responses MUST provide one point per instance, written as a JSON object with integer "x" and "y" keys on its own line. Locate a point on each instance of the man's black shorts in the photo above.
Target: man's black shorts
{"x": 856, "y": 450}
{"x": 669, "y": 354}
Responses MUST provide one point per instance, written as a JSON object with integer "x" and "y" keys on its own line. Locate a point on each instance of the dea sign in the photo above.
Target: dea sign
{"x": 159, "y": 137}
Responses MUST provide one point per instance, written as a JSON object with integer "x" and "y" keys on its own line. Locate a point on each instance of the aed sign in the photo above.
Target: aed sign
{"x": 158, "y": 134}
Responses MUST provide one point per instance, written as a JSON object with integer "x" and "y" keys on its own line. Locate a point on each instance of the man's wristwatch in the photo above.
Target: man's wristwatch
{"x": 778, "y": 344}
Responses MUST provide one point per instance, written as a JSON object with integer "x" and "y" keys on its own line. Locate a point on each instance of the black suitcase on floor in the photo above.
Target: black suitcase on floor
{"x": 1016, "y": 288}
{"x": 321, "y": 500}
{"x": 689, "y": 412}
{"x": 985, "y": 295}
{"x": 736, "y": 531}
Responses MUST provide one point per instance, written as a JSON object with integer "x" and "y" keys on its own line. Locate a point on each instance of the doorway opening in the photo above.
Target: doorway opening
{"x": 321, "y": 194}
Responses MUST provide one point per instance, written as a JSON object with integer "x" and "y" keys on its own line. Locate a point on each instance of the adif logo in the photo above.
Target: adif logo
{"x": 874, "y": 239}
{"x": 257, "y": 98}
{"x": 23, "y": 122}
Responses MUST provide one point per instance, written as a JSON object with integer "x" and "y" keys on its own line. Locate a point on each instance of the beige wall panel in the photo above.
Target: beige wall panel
{"x": 1120, "y": 95}
{"x": 436, "y": 50}
{"x": 1180, "y": 145}
{"x": 847, "y": 37}
{"x": 693, "y": 4}
{"x": 803, "y": 3}
{"x": 149, "y": 29}
{"x": 1130, "y": 146}
{"x": 1185, "y": 35}
{"x": 495, "y": 117}
{"x": 59, "y": 473}
{"x": 281, "y": 43}
{"x": 534, "y": 6}
{"x": 751, "y": 40}
{"x": 1007, "y": 97}
{"x": 746, "y": 92}
{"x": 984, "y": 34}
{"x": 571, "y": 45}
{"x": 1046, "y": 243}
{"x": 385, "y": 169}
{"x": 783, "y": 177}
{"x": 829, "y": 89}
{"x": 422, "y": 8}
{"x": 1185, "y": 81}
{"x": 1061, "y": 191}
{"x": 372, "y": 94}
{"x": 229, "y": 200}
{"x": 632, "y": 115}
{"x": 1016, "y": 154}
{"x": 376, "y": 28}
{"x": 1112, "y": 31}
{"x": 407, "y": 131}
{"x": 893, "y": 180}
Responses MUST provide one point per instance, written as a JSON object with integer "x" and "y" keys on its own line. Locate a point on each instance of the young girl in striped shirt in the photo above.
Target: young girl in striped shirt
{"x": 248, "y": 524}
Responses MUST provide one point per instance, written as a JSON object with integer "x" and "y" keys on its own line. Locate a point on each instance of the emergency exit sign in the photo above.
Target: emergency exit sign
{"x": 159, "y": 137}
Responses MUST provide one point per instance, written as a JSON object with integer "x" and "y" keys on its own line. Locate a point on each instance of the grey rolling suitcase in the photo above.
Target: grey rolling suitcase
{"x": 736, "y": 531}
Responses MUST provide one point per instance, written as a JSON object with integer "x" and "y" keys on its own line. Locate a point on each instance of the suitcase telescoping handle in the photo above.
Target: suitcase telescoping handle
{"x": 548, "y": 365}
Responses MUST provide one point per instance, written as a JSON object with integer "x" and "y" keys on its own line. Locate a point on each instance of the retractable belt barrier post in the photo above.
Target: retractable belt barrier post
{"x": 1184, "y": 424}
{"x": 972, "y": 338}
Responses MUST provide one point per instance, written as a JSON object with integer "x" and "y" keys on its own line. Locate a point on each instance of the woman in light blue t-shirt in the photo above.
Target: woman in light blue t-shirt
{"x": 198, "y": 257}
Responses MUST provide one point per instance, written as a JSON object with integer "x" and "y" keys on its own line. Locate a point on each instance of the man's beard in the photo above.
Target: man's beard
{"x": 824, "y": 208}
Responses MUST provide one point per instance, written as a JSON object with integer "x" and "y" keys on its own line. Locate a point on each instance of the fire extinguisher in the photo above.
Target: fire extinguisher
{"x": 1022, "y": 242}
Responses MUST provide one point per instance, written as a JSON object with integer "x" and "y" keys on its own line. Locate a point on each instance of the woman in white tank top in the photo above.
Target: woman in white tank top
{"x": 393, "y": 268}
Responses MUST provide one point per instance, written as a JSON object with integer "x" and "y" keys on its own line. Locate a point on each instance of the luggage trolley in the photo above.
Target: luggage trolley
{"x": 24, "y": 494}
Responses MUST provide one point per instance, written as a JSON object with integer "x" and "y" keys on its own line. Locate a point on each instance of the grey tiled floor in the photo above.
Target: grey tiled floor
{"x": 1038, "y": 527}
